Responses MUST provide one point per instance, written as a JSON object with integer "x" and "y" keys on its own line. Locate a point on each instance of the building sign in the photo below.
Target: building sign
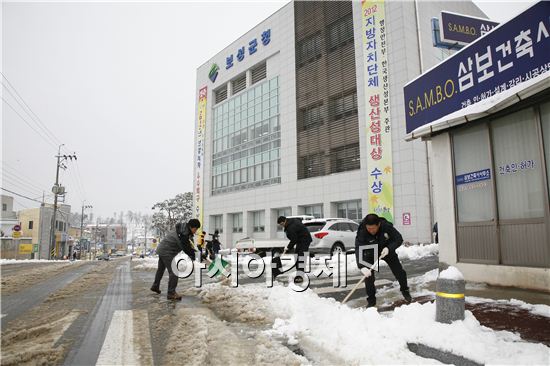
{"x": 213, "y": 73}
{"x": 406, "y": 218}
{"x": 379, "y": 157}
{"x": 512, "y": 168}
{"x": 25, "y": 248}
{"x": 248, "y": 49}
{"x": 484, "y": 174}
{"x": 463, "y": 29}
{"x": 199, "y": 154}
{"x": 511, "y": 54}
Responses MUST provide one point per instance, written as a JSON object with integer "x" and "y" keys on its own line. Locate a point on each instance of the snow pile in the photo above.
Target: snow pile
{"x": 360, "y": 336}
{"x": 537, "y": 309}
{"x": 23, "y": 261}
{"x": 324, "y": 329}
{"x": 451, "y": 273}
{"x": 146, "y": 263}
{"x": 414, "y": 252}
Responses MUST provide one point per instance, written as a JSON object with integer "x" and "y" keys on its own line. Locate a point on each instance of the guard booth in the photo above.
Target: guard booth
{"x": 486, "y": 112}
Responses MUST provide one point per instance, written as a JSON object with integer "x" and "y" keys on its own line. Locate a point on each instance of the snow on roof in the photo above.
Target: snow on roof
{"x": 451, "y": 273}
{"x": 485, "y": 107}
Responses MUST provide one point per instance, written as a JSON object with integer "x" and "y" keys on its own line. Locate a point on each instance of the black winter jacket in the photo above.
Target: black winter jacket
{"x": 298, "y": 234}
{"x": 176, "y": 241}
{"x": 386, "y": 237}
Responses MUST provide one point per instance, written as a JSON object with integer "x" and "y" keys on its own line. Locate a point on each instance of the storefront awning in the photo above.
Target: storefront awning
{"x": 485, "y": 107}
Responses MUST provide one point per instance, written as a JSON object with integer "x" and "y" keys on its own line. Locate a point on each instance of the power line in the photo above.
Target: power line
{"x": 22, "y": 180}
{"x": 21, "y": 185}
{"x": 28, "y": 124}
{"x": 38, "y": 121}
{"x": 20, "y": 195}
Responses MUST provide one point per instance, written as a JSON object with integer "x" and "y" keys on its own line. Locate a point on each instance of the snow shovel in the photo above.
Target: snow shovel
{"x": 357, "y": 285}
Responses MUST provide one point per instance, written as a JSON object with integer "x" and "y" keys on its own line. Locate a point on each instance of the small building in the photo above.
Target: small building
{"x": 110, "y": 237}
{"x": 8, "y": 217}
{"x": 486, "y": 111}
{"x": 36, "y": 223}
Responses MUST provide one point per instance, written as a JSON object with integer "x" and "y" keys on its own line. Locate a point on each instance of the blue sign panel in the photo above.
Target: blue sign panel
{"x": 472, "y": 177}
{"x": 512, "y": 53}
{"x": 463, "y": 29}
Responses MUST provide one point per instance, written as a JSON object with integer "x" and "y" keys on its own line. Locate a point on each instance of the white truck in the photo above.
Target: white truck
{"x": 262, "y": 246}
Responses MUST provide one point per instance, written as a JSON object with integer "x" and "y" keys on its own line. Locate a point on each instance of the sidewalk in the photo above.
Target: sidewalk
{"x": 497, "y": 308}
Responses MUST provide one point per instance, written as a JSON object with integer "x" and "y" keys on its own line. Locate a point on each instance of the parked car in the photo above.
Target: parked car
{"x": 332, "y": 235}
{"x": 120, "y": 253}
{"x": 103, "y": 256}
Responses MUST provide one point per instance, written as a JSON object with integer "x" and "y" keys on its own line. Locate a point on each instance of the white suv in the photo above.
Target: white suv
{"x": 331, "y": 236}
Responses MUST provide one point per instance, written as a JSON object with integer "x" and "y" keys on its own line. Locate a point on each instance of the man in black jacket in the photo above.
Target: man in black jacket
{"x": 377, "y": 230}
{"x": 299, "y": 236}
{"x": 176, "y": 241}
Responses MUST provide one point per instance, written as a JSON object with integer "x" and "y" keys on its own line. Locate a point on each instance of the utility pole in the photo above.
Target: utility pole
{"x": 57, "y": 190}
{"x": 82, "y": 224}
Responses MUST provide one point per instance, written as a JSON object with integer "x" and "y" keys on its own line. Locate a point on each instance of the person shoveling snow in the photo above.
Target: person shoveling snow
{"x": 378, "y": 231}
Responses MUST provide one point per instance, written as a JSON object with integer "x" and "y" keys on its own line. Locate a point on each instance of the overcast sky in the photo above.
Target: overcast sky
{"x": 115, "y": 82}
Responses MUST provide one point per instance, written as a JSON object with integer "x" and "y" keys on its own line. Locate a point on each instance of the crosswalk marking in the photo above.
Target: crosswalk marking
{"x": 118, "y": 346}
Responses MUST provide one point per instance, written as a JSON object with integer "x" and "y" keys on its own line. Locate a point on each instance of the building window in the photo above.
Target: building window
{"x": 258, "y": 73}
{"x": 4, "y": 207}
{"x": 342, "y": 106}
{"x": 31, "y": 224}
{"x": 518, "y": 168}
{"x": 471, "y": 155}
{"x": 310, "y": 49}
{"x": 258, "y": 218}
{"x": 246, "y": 139}
{"x": 287, "y": 211}
{"x": 311, "y": 116}
{"x": 312, "y": 165}
{"x": 237, "y": 220}
{"x": 216, "y": 222}
{"x": 344, "y": 158}
{"x": 340, "y": 32}
{"x": 220, "y": 94}
{"x": 239, "y": 84}
{"x": 313, "y": 210}
{"x": 350, "y": 210}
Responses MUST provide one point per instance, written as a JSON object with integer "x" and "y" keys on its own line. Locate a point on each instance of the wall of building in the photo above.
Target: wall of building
{"x": 411, "y": 192}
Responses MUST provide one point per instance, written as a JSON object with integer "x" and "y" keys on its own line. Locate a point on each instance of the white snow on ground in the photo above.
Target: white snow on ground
{"x": 451, "y": 273}
{"x": 146, "y": 263}
{"x": 537, "y": 309}
{"x": 414, "y": 252}
{"x": 23, "y": 261}
{"x": 359, "y": 336}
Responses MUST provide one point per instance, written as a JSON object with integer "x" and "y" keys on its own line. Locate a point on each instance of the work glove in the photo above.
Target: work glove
{"x": 384, "y": 253}
{"x": 366, "y": 272}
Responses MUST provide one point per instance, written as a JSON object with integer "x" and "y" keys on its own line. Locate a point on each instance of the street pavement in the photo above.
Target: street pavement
{"x": 102, "y": 312}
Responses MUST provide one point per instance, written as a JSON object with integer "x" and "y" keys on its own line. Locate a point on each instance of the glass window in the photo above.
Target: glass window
{"x": 237, "y": 220}
{"x": 216, "y": 222}
{"x": 545, "y": 118}
{"x": 350, "y": 210}
{"x": 314, "y": 210}
{"x": 287, "y": 211}
{"x": 518, "y": 167}
{"x": 258, "y": 218}
{"x": 471, "y": 155}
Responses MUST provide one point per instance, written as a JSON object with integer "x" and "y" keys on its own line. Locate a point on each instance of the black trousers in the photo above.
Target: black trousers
{"x": 300, "y": 249}
{"x": 396, "y": 268}
{"x": 165, "y": 262}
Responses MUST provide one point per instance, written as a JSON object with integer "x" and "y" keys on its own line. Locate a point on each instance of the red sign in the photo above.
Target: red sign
{"x": 17, "y": 228}
{"x": 406, "y": 218}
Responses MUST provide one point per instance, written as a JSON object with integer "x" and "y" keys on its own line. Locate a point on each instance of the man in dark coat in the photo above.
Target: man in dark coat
{"x": 377, "y": 230}
{"x": 176, "y": 241}
{"x": 299, "y": 237}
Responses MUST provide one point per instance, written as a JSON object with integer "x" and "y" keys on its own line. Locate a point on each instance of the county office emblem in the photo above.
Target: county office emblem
{"x": 213, "y": 74}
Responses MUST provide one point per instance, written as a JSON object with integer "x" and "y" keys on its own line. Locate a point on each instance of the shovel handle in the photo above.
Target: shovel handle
{"x": 353, "y": 290}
